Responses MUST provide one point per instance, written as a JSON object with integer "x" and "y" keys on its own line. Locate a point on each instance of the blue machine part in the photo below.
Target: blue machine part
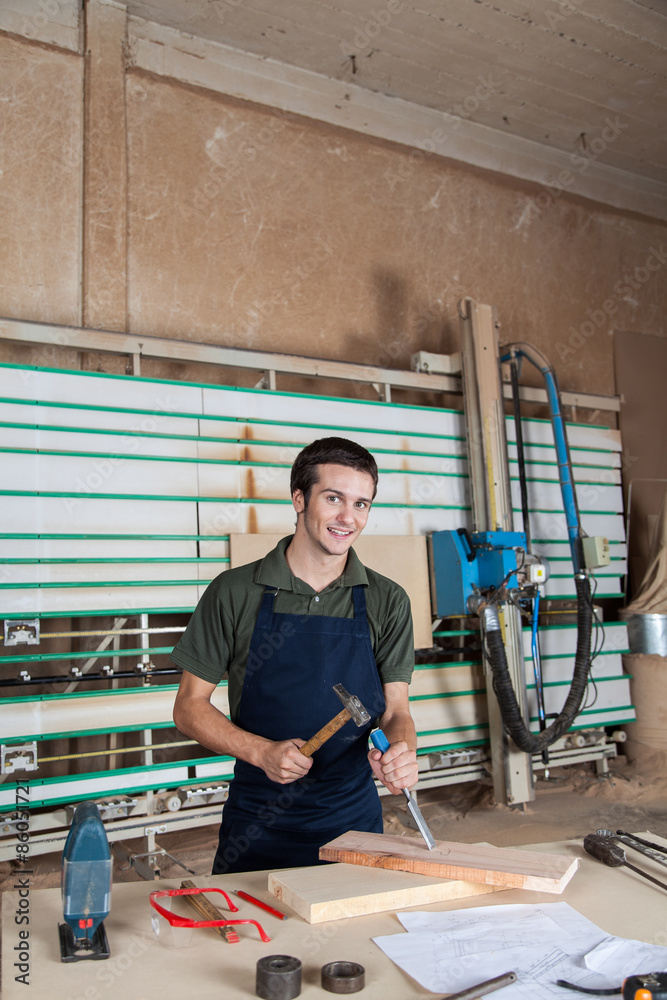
{"x": 86, "y": 873}
{"x": 464, "y": 564}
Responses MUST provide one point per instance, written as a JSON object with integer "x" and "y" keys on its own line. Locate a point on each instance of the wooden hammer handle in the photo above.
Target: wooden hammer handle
{"x": 316, "y": 741}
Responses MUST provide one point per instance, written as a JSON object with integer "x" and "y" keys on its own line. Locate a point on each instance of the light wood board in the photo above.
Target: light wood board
{"x": 508, "y": 867}
{"x": 402, "y": 558}
{"x": 332, "y": 892}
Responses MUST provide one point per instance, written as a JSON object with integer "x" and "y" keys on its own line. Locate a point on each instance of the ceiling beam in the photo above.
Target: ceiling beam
{"x": 199, "y": 62}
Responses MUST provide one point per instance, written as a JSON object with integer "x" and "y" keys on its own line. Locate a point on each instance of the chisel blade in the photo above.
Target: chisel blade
{"x": 419, "y": 820}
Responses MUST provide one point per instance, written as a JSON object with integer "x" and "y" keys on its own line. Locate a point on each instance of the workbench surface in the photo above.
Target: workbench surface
{"x": 140, "y": 968}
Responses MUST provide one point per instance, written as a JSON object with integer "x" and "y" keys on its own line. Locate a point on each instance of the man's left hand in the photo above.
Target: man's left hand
{"x": 396, "y": 768}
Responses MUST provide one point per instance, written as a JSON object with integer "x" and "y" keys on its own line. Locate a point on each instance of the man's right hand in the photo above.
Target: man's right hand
{"x": 282, "y": 762}
{"x": 195, "y": 716}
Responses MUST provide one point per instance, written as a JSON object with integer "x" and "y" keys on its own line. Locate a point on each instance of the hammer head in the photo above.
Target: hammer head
{"x": 353, "y": 706}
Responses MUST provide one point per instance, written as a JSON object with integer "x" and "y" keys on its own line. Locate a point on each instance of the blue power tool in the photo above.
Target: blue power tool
{"x": 86, "y": 877}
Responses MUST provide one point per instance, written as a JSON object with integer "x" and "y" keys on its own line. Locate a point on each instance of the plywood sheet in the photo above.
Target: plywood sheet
{"x": 402, "y": 558}
{"x": 514, "y": 869}
{"x": 332, "y": 892}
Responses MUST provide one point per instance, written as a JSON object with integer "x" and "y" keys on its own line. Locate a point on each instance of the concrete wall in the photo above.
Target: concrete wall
{"x": 133, "y": 201}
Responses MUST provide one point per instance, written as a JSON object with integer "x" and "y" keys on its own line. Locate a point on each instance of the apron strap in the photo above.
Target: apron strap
{"x": 266, "y": 608}
{"x": 359, "y": 598}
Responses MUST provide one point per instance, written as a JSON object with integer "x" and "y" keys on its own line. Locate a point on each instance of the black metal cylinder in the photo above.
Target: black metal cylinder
{"x": 343, "y": 977}
{"x": 278, "y": 977}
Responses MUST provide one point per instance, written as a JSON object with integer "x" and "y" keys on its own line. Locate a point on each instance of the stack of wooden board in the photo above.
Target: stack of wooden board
{"x": 398, "y": 872}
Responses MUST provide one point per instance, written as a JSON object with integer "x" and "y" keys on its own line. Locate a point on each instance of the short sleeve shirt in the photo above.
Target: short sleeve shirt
{"x": 217, "y": 640}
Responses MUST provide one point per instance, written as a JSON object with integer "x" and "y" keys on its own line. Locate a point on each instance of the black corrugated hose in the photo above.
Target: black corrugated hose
{"x": 502, "y": 682}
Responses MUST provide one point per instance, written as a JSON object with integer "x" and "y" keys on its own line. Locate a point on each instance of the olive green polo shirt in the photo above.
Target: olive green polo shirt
{"x": 217, "y": 639}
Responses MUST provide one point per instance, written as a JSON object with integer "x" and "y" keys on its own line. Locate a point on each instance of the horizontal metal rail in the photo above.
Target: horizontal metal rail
{"x": 22, "y": 331}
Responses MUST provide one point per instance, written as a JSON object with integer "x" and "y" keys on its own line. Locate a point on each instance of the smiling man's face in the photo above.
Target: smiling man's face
{"x": 337, "y": 508}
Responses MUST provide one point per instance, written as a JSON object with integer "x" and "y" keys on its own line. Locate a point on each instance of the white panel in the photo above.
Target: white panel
{"x": 565, "y": 587}
{"x": 447, "y": 713}
{"x": 551, "y": 525}
{"x": 558, "y": 553}
{"x": 590, "y": 497}
{"x": 607, "y": 664}
{"x": 19, "y": 514}
{"x": 447, "y": 678}
{"x": 221, "y": 518}
{"x": 410, "y": 490}
{"x": 70, "y": 573}
{"x": 128, "y": 446}
{"x": 100, "y": 548}
{"x": 243, "y": 481}
{"x": 87, "y": 514}
{"x": 597, "y": 718}
{"x": 18, "y": 437}
{"x": 580, "y": 457}
{"x": 100, "y": 390}
{"x": 468, "y": 734}
{"x": 157, "y": 421}
{"x": 223, "y": 451}
{"x": 81, "y": 713}
{"x": 69, "y": 474}
{"x": 540, "y": 432}
{"x": 563, "y": 639}
{"x": 24, "y": 474}
{"x": 322, "y": 413}
{"x": 283, "y": 441}
{"x": 599, "y": 474}
{"x": 111, "y": 784}
{"x": 71, "y": 600}
{"x": 222, "y": 770}
{"x": 17, "y": 548}
{"x": 606, "y": 459}
{"x": 402, "y": 521}
{"x": 614, "y": 694}
{"x": 218, "y": 549}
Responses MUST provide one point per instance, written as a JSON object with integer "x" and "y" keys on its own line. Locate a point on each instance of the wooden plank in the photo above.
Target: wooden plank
{"x": 402, "y": 558}
{"x": 331, "y": 892}
{"x": 514, "y": 869}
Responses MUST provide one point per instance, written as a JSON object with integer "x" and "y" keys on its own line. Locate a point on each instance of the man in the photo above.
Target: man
{"x": 286, "y": 629}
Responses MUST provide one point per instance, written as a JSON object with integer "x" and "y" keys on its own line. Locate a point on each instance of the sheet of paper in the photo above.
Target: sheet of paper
{"x": 614, "y": 956}
{"x": 450, "y": 951}
{"x": 568, "y": 920}
{"x": 537, "y": 966}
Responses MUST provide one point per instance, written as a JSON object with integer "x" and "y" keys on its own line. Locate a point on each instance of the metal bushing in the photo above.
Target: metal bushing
{"x": 343, "y": 977}
{"x": 278, "y": 977}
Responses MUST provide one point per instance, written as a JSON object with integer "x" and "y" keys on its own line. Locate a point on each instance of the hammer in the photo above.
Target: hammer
{"x": 353, "y": 709}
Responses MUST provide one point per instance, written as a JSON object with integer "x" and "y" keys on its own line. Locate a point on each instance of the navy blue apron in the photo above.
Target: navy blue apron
{"x": 293, "y": 663}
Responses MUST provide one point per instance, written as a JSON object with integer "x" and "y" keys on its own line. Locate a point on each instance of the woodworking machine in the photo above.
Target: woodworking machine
{"x": 492, "y": 572}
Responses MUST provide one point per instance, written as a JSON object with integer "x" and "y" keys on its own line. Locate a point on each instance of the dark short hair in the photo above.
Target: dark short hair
{"x": 333, "y": 451}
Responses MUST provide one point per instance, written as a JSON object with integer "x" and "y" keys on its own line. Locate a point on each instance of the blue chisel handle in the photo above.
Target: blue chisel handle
{"x": 379, "y": 740}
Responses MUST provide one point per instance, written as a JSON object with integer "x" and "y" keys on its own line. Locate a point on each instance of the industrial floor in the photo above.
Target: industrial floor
{"x": 573, "y": 801}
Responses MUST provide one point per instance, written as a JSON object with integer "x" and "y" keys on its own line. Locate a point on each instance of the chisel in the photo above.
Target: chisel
{"x": 381, "y": 743}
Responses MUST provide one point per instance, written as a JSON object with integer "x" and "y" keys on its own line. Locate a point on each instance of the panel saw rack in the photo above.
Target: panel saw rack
{"x": 124, "y": 492}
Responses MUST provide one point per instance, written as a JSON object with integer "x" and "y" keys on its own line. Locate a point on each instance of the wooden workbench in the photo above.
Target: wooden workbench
{"x": 140, "y": 968}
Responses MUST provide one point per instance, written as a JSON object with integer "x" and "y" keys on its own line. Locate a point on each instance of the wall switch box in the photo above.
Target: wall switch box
{"x": 596, "y": 551}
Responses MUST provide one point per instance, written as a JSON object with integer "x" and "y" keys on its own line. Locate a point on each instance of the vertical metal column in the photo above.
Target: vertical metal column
{"x": 147, "y": 736}
{"x": 492, "y": 511}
